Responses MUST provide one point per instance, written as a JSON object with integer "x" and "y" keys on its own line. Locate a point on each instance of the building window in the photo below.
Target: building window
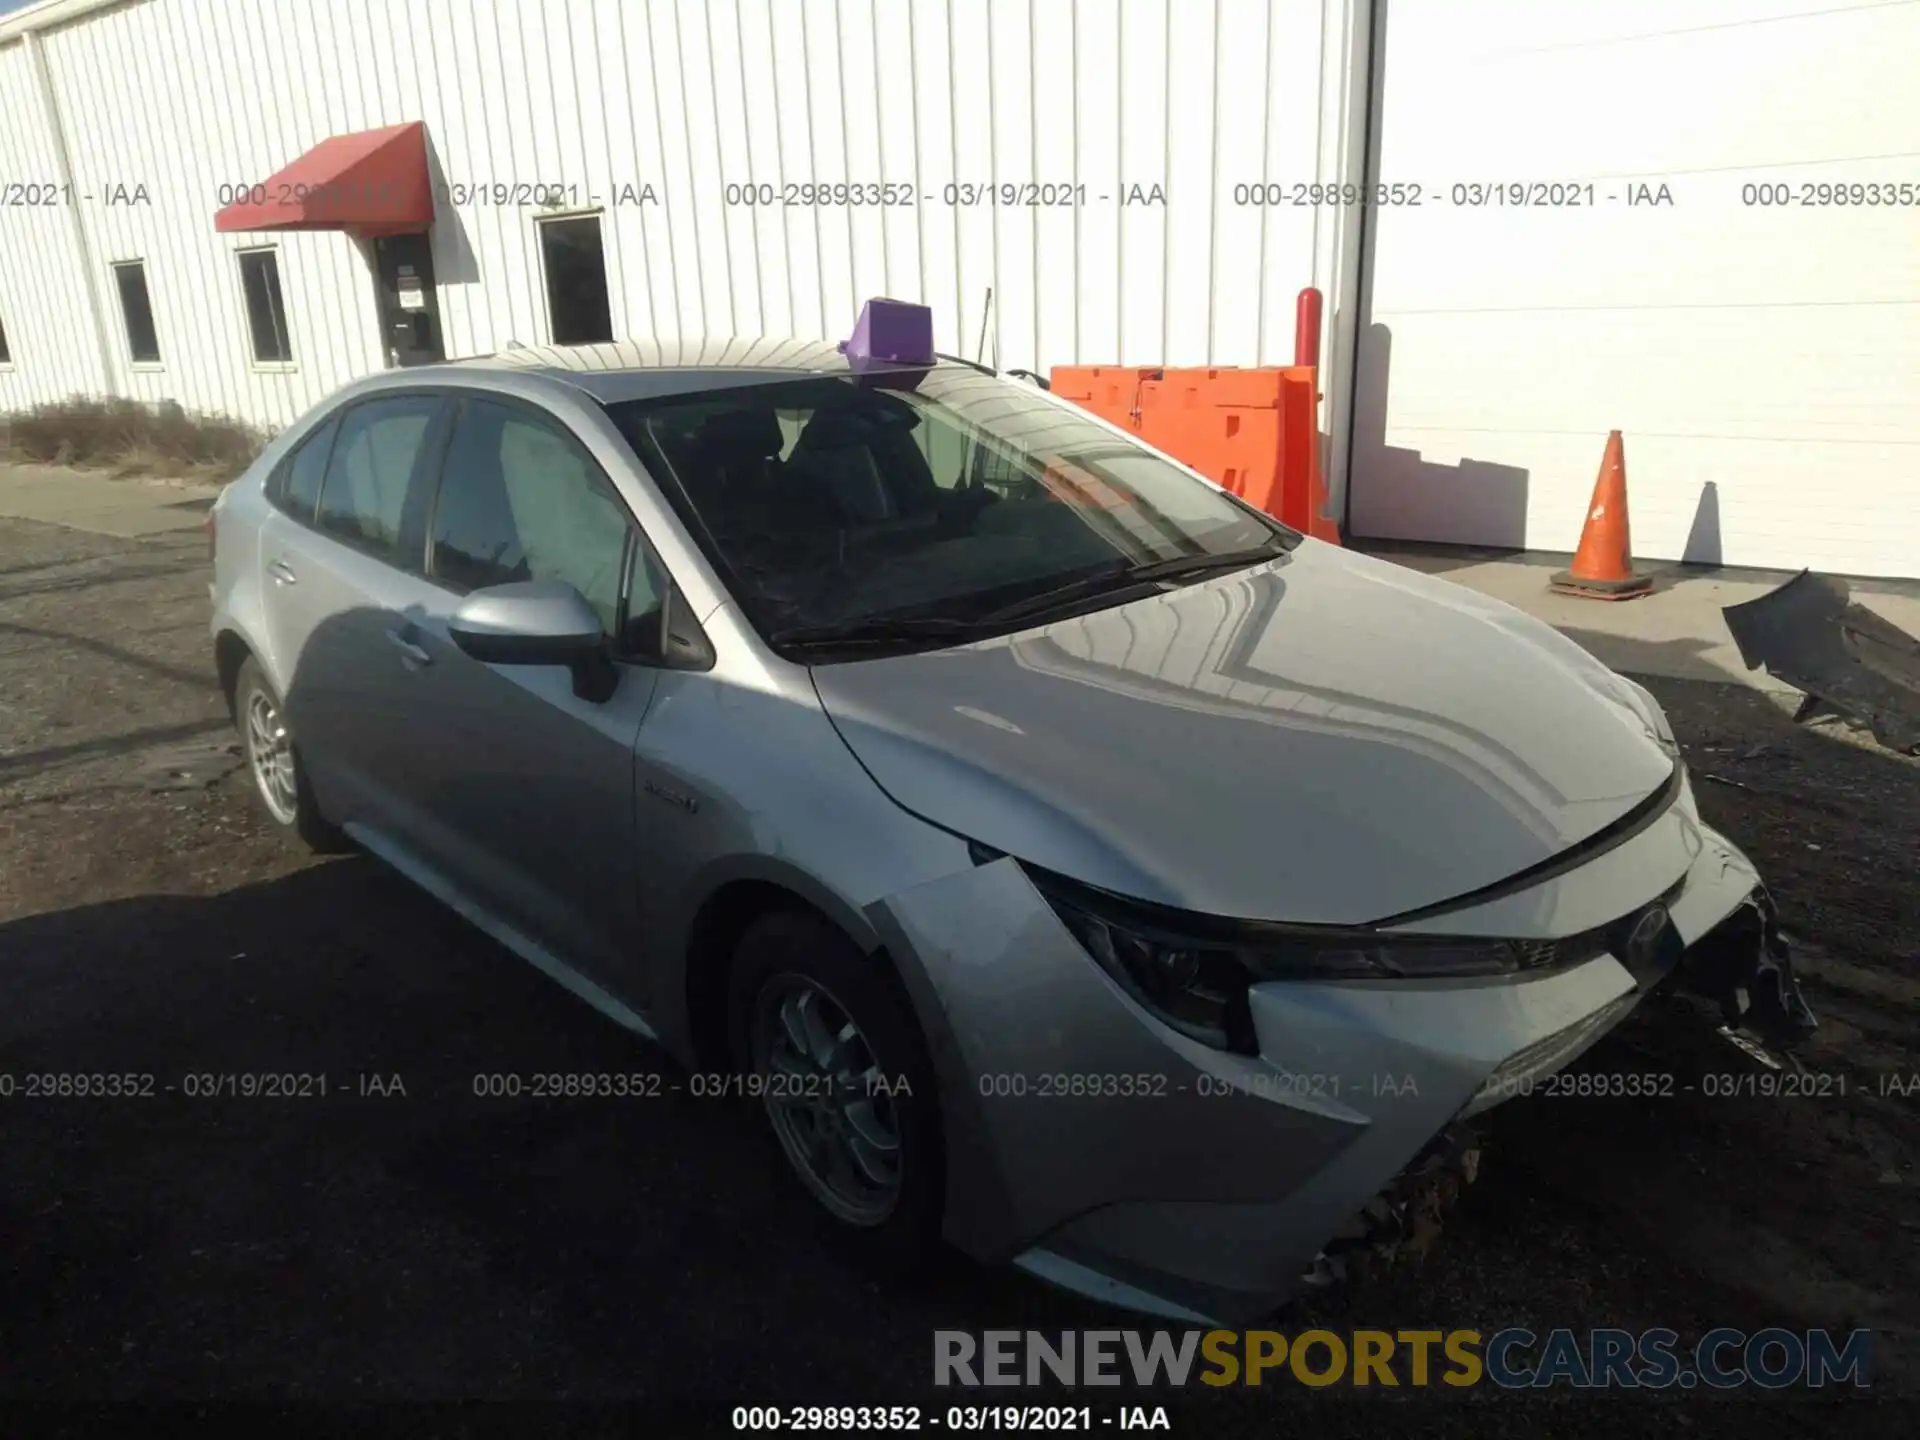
{"x": 6, "y": 355}
{"x": 576, "y": 268}
{"x": 266, "y": 311}
{"x": 143, "y": 342}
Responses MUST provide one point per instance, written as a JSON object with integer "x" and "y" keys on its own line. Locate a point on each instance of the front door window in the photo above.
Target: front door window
{"x": 519, "y": 501}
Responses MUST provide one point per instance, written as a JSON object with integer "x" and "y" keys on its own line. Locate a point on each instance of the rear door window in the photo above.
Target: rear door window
{"x": 379, "y": 444}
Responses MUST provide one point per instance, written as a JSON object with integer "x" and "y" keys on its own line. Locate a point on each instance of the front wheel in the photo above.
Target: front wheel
{"x": 830, "y": 1045}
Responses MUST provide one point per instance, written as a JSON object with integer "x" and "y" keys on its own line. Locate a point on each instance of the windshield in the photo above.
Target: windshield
{"x": 838, "y": 500}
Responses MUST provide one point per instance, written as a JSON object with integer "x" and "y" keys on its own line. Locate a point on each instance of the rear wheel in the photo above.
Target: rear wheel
{"x": 273, "y": 763}
{"x": 829, "y": 1044}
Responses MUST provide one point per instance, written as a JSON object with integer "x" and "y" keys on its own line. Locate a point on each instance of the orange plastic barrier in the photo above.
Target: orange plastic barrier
{"x": 1255, "y": 432}
{"x": 1179, "y": 414}
{"x": 1308, "y": 506}
{"x": 1071, "y": 483}
{"x": 1111, "y": 391}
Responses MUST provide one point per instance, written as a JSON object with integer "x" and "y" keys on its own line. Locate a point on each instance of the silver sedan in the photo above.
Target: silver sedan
{"x": 1085, "y": 870}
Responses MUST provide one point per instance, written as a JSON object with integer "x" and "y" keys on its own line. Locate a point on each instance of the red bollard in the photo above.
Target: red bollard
{"x": 1306, "y": 328}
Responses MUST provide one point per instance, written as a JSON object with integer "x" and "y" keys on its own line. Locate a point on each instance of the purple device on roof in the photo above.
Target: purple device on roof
{"x": 890, "y": 332}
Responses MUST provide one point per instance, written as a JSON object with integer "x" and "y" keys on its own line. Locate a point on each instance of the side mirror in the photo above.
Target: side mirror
{"x": 669, "y": 636}
{"x": 686, "y": 646}
{"x": 537, "y": 622}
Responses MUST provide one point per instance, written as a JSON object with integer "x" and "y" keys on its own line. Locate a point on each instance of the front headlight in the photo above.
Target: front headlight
{"x": 1194, "y": 972}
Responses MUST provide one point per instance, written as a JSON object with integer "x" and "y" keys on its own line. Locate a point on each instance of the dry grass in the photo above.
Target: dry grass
{"x": 130, "y": 438}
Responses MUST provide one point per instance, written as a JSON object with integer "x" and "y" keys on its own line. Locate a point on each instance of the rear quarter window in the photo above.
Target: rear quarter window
{"x": 295, "y": 485}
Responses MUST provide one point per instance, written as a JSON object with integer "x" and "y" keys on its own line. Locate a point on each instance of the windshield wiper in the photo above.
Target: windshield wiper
{"x": 877, "y": 631}
{"x": 1180, "y": 567}
{"x": 881, "y": 630}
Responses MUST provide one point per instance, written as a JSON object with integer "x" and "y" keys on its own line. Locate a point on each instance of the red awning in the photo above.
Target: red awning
{"x": 373, "y": 182}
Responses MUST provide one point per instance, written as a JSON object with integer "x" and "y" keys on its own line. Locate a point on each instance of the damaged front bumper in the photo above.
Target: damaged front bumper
{"x": 1744, "y": 968}
{"x": 1405, "y": 1218}
{"x": 1096, "y": 1148}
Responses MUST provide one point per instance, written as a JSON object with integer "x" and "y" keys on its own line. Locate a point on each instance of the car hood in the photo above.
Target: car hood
{"x": 1325, "y": 739}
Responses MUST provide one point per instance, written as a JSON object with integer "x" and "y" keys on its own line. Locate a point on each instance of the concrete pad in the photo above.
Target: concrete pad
{"x": 95, "y": 501}
{"x": 1677, "y": 631}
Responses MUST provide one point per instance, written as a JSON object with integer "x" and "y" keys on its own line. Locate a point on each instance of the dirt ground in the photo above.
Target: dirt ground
{"x": 428, "y": 1244}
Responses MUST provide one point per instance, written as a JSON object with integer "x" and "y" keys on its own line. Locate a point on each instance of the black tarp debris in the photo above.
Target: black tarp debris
{"x": 1813, "y": 635}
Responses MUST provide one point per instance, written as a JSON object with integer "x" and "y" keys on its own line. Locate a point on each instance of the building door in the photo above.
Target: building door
{"x": 1717, "y": 268}
{"x": 409, "y": 303}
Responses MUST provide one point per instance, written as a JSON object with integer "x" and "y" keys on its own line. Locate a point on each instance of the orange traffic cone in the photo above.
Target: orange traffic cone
{"x": 1602, "y": 567}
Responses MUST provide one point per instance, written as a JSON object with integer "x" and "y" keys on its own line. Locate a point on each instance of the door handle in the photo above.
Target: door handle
{"x": 282, "y": 573}
{"x": 411, "y": 655}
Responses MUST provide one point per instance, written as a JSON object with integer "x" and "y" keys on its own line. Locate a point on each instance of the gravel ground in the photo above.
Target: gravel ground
{"x": 402, "y": 1239}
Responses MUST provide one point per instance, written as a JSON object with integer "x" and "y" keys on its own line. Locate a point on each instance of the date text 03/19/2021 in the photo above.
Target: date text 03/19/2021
{"x": 1463, "y": 194}
{"x": 961, "y": 1419}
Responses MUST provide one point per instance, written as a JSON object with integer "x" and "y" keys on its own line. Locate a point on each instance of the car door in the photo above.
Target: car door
{"x": 332, "y": 562}
{"x": 518, "y": 790}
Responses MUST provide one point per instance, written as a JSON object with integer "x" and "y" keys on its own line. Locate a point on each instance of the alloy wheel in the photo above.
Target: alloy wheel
{"x": 826, "y": 1096}
{"x": 270, "y": 755}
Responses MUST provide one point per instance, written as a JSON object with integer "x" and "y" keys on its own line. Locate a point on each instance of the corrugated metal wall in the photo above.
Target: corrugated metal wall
{"x": 688, "y": 97}
{"x": 43, "y": 297}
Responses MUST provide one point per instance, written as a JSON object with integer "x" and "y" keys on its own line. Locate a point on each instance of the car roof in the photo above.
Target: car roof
{"x": 643, "y": 369}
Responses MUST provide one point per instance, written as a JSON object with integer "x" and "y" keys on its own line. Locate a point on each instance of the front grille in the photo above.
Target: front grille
{"x": 1536, "y": 954}
{"x": 1608, "y": 939}
{"x": 1564, "y": 953}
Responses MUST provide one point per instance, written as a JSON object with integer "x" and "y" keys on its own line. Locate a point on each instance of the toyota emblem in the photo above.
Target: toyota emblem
{"x": 1643, "y": 943}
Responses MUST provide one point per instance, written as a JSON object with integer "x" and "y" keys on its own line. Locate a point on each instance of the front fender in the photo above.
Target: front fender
{"x": 1020, "y": 1021}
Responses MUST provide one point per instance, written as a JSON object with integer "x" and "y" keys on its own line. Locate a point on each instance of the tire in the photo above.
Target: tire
{"x": 783, "y": 958}
{"x": 279, "y": 784}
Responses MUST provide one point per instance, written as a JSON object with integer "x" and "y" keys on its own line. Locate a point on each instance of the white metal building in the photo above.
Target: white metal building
{"x": 1695, "y": 221}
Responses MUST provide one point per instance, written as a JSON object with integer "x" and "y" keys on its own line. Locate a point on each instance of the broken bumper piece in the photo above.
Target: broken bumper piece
{"x": 1812, "y": 634}
{"x": 1744, "y": 966}
{"x": 1403, "y": 1220}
